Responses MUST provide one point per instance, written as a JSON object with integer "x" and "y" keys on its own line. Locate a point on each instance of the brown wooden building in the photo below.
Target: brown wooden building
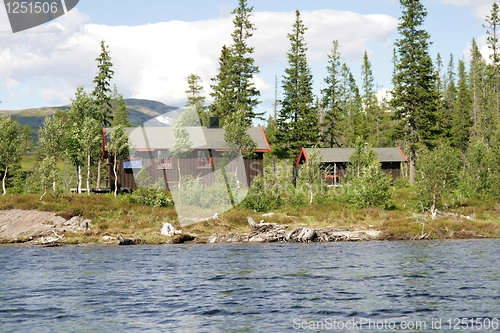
{"x": 151, "y": 151}
{"x": 336, "y": 160}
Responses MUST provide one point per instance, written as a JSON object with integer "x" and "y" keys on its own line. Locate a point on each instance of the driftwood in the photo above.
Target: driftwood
{"x": 435, "y": 213}
{"x": 272, "y": 232}
{"x": 52, "y": 241}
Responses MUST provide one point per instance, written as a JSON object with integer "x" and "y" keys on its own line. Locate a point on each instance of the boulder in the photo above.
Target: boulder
{"x": 169, "y": 230}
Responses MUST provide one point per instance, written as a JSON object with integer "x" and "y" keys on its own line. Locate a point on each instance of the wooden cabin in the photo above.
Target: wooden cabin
{"x": 336, "y": 160}
{"x": 151, "y": 151}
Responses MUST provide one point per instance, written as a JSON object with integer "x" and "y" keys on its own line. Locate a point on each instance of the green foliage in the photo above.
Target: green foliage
{"x": 262, "y": 198}
{"x": 47, "y": 172}
{"x": 102, "y": 90}
{"x": 479, "y": 177}
{"x": 51, "y": 147}
{"x": 143, "y": 178}
{"x": 461, "y": 121}
{"x": 194, "y": 193}
{"x": 237, "y": 137}
{"x": 182, "y": 143}
{"x": 118, "y": 147}
{"x": 371, "y": 189}
{"x": 119, "y": 110}
{"x": 298, "y": 121}
{"x": 352, "y": 123}
{"x": 27, "y": 139}
{"x": 437, "y": 176}
{"x": 11, "y": 147}
{"x": 368, "y": 185}
{"x": 362, "y": 157}
{"x": 196, "y": 100}
{"x": 312, "y": 175}
{"x": 151, "y": 198}
{"x": 415, "y": 94}
{"x": 331, "y": 133}
{"x": 233, "y": 87}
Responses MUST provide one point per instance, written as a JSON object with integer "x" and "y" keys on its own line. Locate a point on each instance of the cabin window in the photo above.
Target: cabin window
{"x": 132, "y": 163}
{"x": 164, "y": 160}
{"x": 204, "y": 159}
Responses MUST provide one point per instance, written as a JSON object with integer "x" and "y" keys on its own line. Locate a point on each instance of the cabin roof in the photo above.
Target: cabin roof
{"x": 155, "y": 138}
{"x": 341, "y": 155}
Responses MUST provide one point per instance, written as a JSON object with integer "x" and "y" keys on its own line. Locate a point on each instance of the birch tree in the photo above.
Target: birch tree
{"x": 11, "y": 146}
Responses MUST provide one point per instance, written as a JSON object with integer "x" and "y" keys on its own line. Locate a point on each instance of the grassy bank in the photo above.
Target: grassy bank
{"x": 122, "y": 216}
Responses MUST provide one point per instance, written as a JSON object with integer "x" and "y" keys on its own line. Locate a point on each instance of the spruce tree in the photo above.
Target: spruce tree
{"x": 298, "y": 119}
{"x": 330, "y": 103}
{"x": 352, "y": 124}
{"x": 375, "y": 120}
{"x": 27, "y": 138}
{"x": 415, "y": 93}
{"x": 449, "y": 97}
{"x": 477, "y": 86}
{"x": 102, "y": 94}
{"x": 223, "y": 87}
{"x": 119, "y": 109}
{"x": 234, "y": 88}
{"x": 102, "y": 90}
{"x": 493, "y": 69}
{"x": 195, "y": 98}
{"x": 461, "y": 122}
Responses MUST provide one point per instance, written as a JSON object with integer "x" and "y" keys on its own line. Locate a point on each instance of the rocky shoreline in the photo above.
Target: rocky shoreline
{"x": 45, "y": 228}
{"x": 48, "y": 228}
{"x": 275, "y": 233}
{"x": 316, "y": 235}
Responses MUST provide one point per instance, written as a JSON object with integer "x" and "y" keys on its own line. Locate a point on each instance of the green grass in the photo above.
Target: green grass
{"x": 121, "y": 216}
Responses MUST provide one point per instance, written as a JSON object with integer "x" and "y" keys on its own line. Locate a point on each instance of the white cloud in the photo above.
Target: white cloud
{"x": 153, "y": 61}
{"x": 482, "y": 45}
{"x": 479, "y": 8}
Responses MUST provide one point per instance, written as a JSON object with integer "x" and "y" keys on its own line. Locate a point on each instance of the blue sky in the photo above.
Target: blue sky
{"x": 156, "y": 44}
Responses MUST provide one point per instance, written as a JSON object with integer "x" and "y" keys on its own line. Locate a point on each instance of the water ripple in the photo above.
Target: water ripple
{"x": 244, "y": 287}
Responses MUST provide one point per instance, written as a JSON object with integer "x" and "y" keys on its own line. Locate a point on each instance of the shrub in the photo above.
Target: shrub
{"x": 371, "y": 189}
{"x": 260, "y": 198}
{"x": 479, "y": 178}
{"x": 150, "y": 197}
{"x": 437, "y": 176}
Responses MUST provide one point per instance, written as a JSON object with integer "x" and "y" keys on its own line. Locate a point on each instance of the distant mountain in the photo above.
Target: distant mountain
{"x": 140, "y": 111}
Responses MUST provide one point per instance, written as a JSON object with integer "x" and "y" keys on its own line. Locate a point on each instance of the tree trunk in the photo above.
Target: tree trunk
{"x": 3, "y": 180}
{"x": 88, "y": 174}
{"x": 115, "y": 172}
{"x": 79, "y": 185}
{"x": 179, "y": 170}
{"x": 274, "y": 171}
{"x": 99, "y": 172}
{"x": 311, "y": 193}
{"x": 54, "y": 189}
{"x": 413, "y": 155}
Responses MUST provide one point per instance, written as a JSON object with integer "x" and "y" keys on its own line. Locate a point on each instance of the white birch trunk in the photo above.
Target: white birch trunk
{"x": 179, "y": 170}
{"x": 3, "y": 180}
{"x": 99, "y": 173}
{"x": 115, "y": 172}
{"x": 88, "y": 174}
{"x": 79, "y": 185}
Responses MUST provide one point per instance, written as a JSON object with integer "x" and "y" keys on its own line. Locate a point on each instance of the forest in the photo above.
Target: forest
{"x": 443, "y": 113}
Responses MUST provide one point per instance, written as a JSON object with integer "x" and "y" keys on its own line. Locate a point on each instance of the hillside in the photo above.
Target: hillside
{"x": 140, "y": 111}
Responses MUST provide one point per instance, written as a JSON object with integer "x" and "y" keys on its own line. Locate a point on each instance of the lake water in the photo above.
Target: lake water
{"x": 336, "y": 287}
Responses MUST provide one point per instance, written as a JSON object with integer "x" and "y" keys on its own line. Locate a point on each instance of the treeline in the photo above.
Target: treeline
{"x": 73, "y": 135}
{"x": 433, "y": 110}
